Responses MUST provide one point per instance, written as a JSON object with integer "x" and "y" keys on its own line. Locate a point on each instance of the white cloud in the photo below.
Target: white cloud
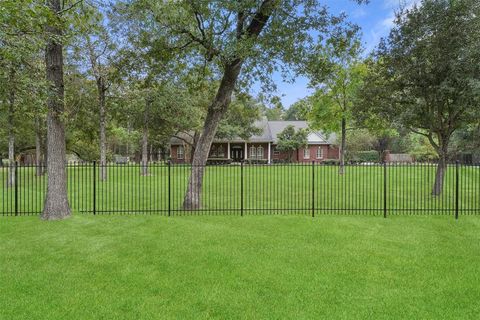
{"x": 359, "y": 12}
{"x": 387, "y": 23}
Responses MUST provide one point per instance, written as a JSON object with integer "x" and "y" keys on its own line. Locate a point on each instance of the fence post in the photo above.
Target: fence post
{"x": 457, "y": 182}
{"x": 313, "y": 189}
{"x": 15, "y": 182}
{"x": 169, "y": 188}
{"x": 384, "y": 189}
{"x": 241, "y": 189}
{"x": 94, "y": 187}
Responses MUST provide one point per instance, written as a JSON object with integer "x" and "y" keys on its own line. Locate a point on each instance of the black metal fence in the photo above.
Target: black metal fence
{"x": 310, "y": 189}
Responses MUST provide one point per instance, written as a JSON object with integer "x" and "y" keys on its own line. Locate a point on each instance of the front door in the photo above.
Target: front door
{"x": 237, "y": 154}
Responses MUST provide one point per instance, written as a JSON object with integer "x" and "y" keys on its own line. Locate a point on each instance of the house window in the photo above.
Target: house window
{"x": 276, "y": 152}
{"x": 180, "y": 152}
{"x": 220, "y": 152}
{"x": 260, "y": 152}
{"x": 306, "y": 153}
{"x": 253, "y": 151}
{"x": 319, "y": 153}
{"x": 213, "y": 152}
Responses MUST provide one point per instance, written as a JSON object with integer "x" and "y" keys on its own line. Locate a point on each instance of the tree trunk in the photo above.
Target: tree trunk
{"x": 193, "y": 146}
{"x": 144, "y": 164}
{"x": 103, "y": 124}
{"x": 216, "y": 111}
{"x": 44, "y": 153}
{"x": 56, "y": 201}
{"x": 441, "y": 170}
{"x": 11, "y": 133}
{"x": 144, "y": 152}
{"x": 101, "y": 90}
{"x": 290, "y": 156}
{"x": 11, "y": 160}
{"x": 129, "y": 132}
{"x": 38, "y": 147}
{"x": 343, "y": 144}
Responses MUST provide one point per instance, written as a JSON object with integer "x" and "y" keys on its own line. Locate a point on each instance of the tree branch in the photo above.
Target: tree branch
{"x": 183, "y": 139}
{"x": 419, "y": 132}
{"x": 70, "y": 7}
{"x": 260, "y": 18}
{"x": 429, "y": 137}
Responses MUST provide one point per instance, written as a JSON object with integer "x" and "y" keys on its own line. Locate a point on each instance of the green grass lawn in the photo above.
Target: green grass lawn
{"x": 256, "y": 267}
{"x": 267, "y": 189}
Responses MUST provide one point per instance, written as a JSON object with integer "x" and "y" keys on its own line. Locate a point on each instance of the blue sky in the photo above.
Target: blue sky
{"x": 375, "y": 20}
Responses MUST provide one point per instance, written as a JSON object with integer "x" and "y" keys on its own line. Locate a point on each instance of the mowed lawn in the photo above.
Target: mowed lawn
{"x": 265, "y": 188}
{"x": 225, "y": 267}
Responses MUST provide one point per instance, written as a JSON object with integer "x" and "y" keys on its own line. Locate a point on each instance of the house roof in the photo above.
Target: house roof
{"x": 276, "y": 127}
{"x": 271, "y": 130}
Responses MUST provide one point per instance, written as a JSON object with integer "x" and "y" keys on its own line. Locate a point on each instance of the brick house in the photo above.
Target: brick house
{"x": 262, "y": 147}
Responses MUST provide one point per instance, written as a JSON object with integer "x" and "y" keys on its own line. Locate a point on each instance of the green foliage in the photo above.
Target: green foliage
{"x": 240, "y": 120}
{"x": 81, "y": 111}
{"x": 338, "y": 89}
{"x": 366, "y": 156}
{"x": 290, "y": 140}
{"x": 421, "y": 149}
{"x": 274, "y": 113}
{"x": 467, "y": 140}
{"x": 331, "y": 162}
{"x": 335, "y": 100}
{"x": 426, "y": 76}
{"x": 210, "y": 30}
{"x": 360, "y": 141}
{"x": 299, "y": 110}
{"x": 21, "y": 17}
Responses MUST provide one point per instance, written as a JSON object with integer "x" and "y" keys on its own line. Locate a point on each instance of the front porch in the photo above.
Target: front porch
{"x": 238, "y": 152}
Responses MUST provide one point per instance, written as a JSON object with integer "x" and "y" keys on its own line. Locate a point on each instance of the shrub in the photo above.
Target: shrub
{"x": 366, "y": 156}
{"x": 425, "y": 156}
{"x": 331, "y": 162}
{"x": 218, "y": 161}
{"x": 257, "y": 161}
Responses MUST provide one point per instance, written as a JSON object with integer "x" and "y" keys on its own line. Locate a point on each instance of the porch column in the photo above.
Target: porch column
{"x": 246, "y": 152}
{"x": 228, "y": 150}
{"x": 269, "y": 152}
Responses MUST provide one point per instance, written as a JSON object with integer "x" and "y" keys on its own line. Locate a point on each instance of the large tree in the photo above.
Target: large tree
{"x": 241, "y": 41}
{"x": 333, "y": 103}
{"x": 337, "y": 73}
{"x": 95, "y": 46}
{"x": 56, "y": 202}
{"x": 427, "y": 73}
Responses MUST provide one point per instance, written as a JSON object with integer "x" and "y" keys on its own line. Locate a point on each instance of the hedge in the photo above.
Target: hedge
{"x": 366, "y": 156}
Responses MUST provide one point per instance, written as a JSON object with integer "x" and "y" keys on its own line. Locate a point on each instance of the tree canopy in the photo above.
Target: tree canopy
{"x": 426, "y": 74}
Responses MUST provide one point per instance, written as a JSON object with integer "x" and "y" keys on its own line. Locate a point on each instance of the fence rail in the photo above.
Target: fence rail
{"x": 308, "y": 188}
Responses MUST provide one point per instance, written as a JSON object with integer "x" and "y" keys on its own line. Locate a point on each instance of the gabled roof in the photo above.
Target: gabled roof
{"x": 265, "y": 135}
{"x": 271, "y": 129}
{"x": 314, "y": 137}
